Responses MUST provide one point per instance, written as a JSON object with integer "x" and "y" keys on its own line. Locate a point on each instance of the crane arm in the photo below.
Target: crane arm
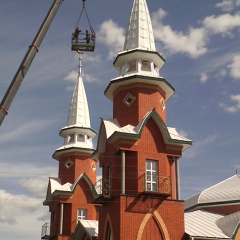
{"x": 27, "y": 60}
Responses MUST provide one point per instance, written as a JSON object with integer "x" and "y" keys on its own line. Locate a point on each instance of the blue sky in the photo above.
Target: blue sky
{"x": 200, "y": 41}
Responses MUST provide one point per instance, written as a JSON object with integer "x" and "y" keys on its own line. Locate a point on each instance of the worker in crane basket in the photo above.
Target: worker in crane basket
{"x": 87, "y": 38}
{"x": 76, "y": 34}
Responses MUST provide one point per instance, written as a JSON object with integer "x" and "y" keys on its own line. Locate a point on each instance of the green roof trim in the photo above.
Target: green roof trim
{"x": 153, "y": 113}
{"x": 81, "y": 177}
{"x": 157, "y": 79}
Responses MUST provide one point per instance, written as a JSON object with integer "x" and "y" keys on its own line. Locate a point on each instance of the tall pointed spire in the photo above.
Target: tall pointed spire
{"x": 139, "y": 33}
{"x": 78, "y": 133}
{"x": 78, "y": 113}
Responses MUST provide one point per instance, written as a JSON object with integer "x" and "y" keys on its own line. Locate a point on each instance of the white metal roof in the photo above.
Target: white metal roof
{"x": 228, "y": 224}
{"x": 91, "y": 226}
{"x": 139, "y": 33}
{"x": 79, "y": 114}
{"x": 225, "y": 191}
{"x": 203, "y": 224}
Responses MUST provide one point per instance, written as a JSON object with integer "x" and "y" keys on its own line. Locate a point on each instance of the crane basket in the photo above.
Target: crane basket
{"x": 83, "y": 41}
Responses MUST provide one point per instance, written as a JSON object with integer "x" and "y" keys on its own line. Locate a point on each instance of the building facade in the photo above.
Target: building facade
{"x": 138, "y": 195}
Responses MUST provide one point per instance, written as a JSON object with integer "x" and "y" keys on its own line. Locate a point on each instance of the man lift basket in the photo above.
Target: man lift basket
{"x": 83, "y": 41}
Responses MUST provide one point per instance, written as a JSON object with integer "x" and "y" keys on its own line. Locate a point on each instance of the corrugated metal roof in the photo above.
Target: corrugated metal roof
{"x": 203, "y": 224}
{"x": 229, "y": 223}
{"x": 139, "y": 33}
{"x": 225, "y": 191}
{"x": 78, "y": 113}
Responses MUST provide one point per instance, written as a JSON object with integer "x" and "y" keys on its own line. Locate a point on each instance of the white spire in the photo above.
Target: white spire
{"x": 78, "y": 113}
{"x": 139, "y": 33}
{"x": 77, "y": 134}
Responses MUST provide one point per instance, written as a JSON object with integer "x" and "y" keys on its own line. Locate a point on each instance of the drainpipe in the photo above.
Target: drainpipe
{"x": 177, "y": 177}
{"x": 123, "y": 172}
{"x": 61, "y": 219}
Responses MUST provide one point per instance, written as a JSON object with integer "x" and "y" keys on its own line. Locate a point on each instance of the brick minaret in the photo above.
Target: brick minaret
{"x": 69, "y": 196}
{"x": 138, "y": 153}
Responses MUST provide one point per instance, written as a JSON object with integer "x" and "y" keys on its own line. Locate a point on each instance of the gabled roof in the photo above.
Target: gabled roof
{"x": 110, "y": 130}
{"x": 225, "y": 192}
{"x": 56, "y": 188}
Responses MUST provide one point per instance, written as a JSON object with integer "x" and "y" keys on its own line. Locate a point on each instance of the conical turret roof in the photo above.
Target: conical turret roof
{"x": 78, "y": 115}
{"x": 78, "y": 133}
{"x": 139, "y": 33}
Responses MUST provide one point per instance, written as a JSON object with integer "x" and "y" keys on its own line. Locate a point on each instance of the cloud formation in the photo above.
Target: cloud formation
{"x": 193, "y": 43}
{"x": 227, "y": 5}
{"x": 112, "y": 36}
{"x": 235, "y": 67}
{"x": 234, "y": 105}
{"x": 222, "y": 24}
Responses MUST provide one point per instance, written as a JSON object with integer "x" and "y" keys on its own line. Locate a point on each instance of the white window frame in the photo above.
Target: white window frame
{"x": 81, "y": 214}
{"x": 151, "y": 179}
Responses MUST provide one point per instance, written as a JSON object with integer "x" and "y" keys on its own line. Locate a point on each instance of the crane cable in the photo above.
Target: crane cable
{"x": 79, "y": 18}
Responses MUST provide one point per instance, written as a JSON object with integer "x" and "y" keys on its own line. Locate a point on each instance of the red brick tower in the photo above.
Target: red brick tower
{"x": 138, "y": 153}
{"x": 69, "y": 196}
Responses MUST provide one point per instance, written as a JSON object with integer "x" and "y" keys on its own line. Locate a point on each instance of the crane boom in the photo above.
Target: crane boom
{"x": 27, "y": 60}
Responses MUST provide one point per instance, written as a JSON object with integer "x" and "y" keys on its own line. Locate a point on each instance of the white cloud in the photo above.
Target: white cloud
{"x": 198, "y": 146}
{"x": 13, "y": 206}
{"x": 89, "y": 78}
{"x": 222, "y": 24}
{"x": 192, "y": 43}
{"x": 203, "y": 78}
{"x": 235, "y": 67}
{"x": 221, "y": 74}
{"x": 72, "y": 77}
{"x": 93, "y": 59}
{"x": 36, "y": 185}
{"x": 228, "y": 5}
{"x": 28, "y": 128}
{"x": 183, "y": 133}
{"x": 112, "y": 36}
{"x": 235, "y": 107}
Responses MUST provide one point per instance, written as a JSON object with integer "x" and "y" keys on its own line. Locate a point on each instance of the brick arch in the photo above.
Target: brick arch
{"x": 153, "y": 214}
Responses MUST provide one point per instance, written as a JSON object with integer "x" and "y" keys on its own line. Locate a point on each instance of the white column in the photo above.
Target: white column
{"x": 177, "y": 176}
{"x": 61, "y": 219}
{"x": 123, "y": 171}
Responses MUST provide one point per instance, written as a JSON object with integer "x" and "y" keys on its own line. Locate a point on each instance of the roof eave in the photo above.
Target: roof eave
{"x": 57, "y": 154}
{"x": 136, "y": 78}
